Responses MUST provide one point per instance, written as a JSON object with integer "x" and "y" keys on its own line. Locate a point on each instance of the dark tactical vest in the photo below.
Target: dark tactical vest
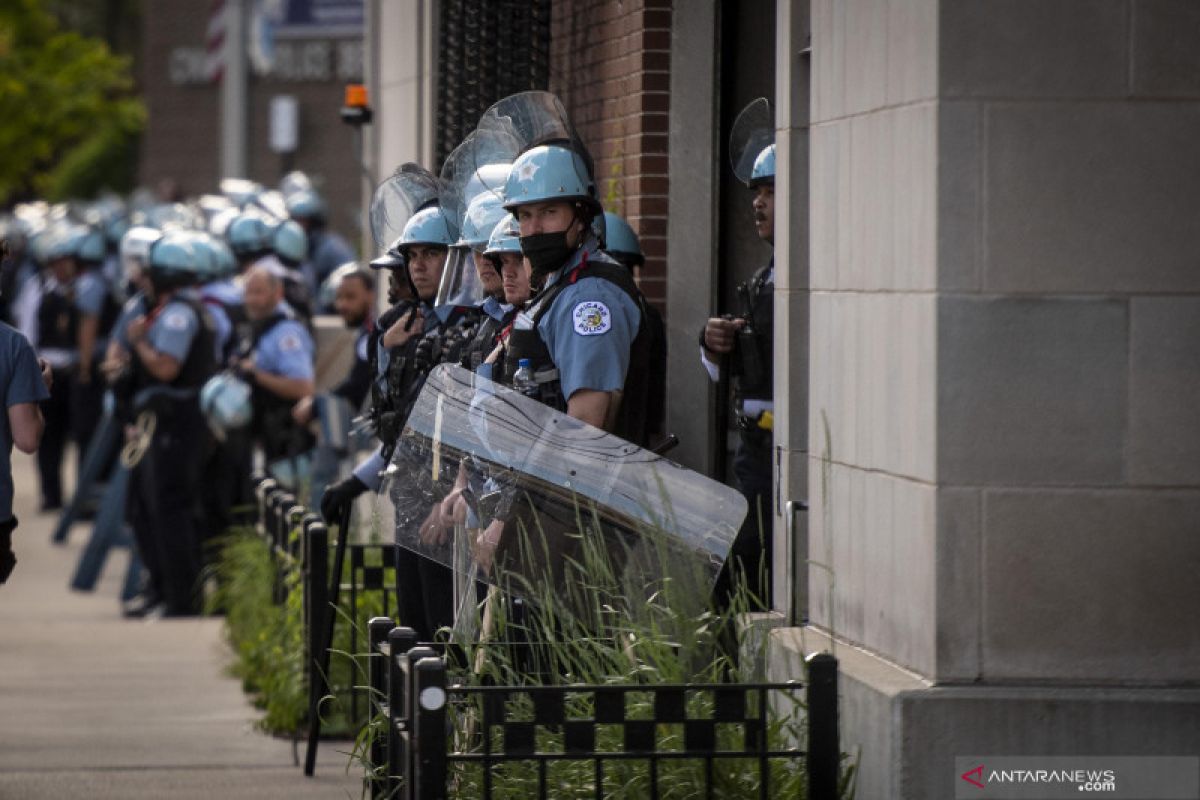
{"x": 753, "y": 361}
{"x": 197, "y": 367}
{"x": 58, "y": 319}
{"x": 631, "y": 423}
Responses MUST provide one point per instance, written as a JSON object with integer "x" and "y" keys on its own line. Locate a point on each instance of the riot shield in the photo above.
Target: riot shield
{"x": 409, "y": 189}
{"x": 502, "y": 488}
{"x": 753, "y": 131}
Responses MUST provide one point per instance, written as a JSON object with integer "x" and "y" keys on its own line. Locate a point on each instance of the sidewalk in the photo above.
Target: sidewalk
{"x": 92, "y": 705}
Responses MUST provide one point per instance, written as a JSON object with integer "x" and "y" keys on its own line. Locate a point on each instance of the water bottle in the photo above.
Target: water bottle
{"x": 523, "y": 380}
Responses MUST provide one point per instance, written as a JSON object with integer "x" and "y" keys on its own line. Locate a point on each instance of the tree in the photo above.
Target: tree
{"x": 69, "y": 120}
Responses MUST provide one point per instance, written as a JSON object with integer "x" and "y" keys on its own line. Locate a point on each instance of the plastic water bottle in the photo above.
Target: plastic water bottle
{"x": 523, "y": 380}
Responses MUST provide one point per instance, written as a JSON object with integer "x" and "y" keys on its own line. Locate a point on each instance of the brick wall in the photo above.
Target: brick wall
{"x": 610, "y": 64}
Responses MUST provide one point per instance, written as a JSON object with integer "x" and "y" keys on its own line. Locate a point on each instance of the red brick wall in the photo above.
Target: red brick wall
{"x": 610, "y": 63}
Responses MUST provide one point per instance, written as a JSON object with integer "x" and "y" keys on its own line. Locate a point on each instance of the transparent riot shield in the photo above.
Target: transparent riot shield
{"x": 504, "y": 489}
{"x": 753, "y": 131}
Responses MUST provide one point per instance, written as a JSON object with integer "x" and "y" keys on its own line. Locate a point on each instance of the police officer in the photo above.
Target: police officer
{"x": 276, "y": 358}
{"x": 483, "y": 214}
{"x": 325, "y": 250}
{"x": 173, "y": 355}
{"x": 743, "y": 344}
{"x": 97, "y": 311}
{"x": 354, "y": 299}
{"x": 584, "y": 333}
{"x": 424, "y": 587}
{"x": 26, "y": 381}
{"x": 290, "y": 247}
{"x": 504, "y": 251}
{"x": 57, "y": 341}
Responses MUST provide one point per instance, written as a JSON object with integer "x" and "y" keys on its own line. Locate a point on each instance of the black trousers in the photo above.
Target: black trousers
{"x": 163, "y": 510}
{"x": 87, "y": 407}
{"x": 750, "y": 556}
{"x": 424, "y": 593}
{"x": 57, "y": 413}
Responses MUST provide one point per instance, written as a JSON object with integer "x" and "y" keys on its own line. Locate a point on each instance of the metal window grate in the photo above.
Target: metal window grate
{"x": 487, "y": 50}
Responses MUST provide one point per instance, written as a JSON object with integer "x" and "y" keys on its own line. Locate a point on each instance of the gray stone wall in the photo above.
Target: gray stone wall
{"x": 1003, "y": 425}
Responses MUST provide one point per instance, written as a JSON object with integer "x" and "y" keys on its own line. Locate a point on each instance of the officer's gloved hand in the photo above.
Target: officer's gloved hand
{"x": 425, "y": 355}
{"x": 339, "y": 495}
{"x": 7, "y": 559}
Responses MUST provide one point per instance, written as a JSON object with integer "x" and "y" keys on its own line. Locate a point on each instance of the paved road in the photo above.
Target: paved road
{"x": 95, "y": 706}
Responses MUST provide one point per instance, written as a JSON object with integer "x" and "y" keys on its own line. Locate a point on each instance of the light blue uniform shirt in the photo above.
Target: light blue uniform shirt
{"x": 134, "y": 307}
{"x": 216, "y": 296}
{"x": 286, "y": 350}
{"x": 90, "y": 292}
{"x": 589, "y": 329}
{"x": 173, "y": 330}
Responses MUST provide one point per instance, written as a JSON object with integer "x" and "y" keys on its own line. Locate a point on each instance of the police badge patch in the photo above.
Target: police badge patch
{"x": 591, "y": 318}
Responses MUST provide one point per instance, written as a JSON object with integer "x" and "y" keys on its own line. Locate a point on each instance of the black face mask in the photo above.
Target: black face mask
{"x": 546, "y": 252}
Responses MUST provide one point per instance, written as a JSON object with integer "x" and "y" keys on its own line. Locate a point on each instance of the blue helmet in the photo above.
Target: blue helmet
{"x": 620, "y": 240}
{"x": 505, "y": 238}
{"x": 429, "y": 226}
{"x": 305, "y": 204}
{"x": 175, "y": 260}
{"x": 249, "y": 235}
{"x": 546, "y": 173}
{"x": 764, "y": 167}
{"x": 484, "y": 212}
{"x": 290, "y": 242}
{"x": 225, "y": 401}
{"x": 215, "y": 257}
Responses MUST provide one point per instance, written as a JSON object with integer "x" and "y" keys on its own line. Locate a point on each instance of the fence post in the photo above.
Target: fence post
{"x": 316, "y": 604}
{"x": 824, "y": 746}
{"x": 377, "y": 630}
{"x": 402, "y": 704}
{"x": 429, "y": 728}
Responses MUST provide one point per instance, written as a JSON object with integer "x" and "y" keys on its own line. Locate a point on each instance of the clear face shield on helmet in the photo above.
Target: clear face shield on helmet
{"x": 460, "y": 284}
{"x": 518, "y": 123}
{"x": 410, "y": 188}
{"x": 753, "y": 131}
{"x": 503, "y": 489}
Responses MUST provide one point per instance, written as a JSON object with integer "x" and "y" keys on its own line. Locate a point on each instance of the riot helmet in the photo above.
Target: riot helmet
{"x": 620, "y": 241}
{"x": 225, "y": 401}
{"x": 752, "y": 144}
{"x": 289, "y": 242}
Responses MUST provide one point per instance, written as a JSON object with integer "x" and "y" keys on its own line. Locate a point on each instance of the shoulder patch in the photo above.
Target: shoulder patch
{"x": 176, "y": 320}
{"x": 592, "y": 318}
{"x": 290, "y": 343}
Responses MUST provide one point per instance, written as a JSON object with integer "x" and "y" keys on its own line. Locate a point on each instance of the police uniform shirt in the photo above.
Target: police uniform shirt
{"x": 286, "y": 350}
{"x": 588, "y": 330}
{"x": 329, "y": 252}
{"x": 173, "y": 330}
{"x": 134, "y": 307}
{"x": 21, "y": 380}
{"x": 90, "y": 293}
{"x": 495, "y": 309}
{"x": 216, "y": 296}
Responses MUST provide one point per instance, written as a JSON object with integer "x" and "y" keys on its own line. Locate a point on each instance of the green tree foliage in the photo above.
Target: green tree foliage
{"x": 69, "y": 120}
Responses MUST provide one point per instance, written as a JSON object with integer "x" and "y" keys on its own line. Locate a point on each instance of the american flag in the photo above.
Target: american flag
{"x": 214, "y": 42}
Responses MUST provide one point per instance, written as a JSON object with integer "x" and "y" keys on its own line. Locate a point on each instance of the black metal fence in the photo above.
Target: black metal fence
{"x": 432, "y": 732}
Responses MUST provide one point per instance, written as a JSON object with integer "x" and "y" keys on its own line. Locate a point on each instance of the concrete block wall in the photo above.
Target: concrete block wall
{"x": 610, "y": 65}
{"x": 1004, "y": 337}
{"x": 872, "y": 276}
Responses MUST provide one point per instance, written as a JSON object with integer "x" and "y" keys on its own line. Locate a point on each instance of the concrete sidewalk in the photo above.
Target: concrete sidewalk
{"x": 92, "y": 705}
